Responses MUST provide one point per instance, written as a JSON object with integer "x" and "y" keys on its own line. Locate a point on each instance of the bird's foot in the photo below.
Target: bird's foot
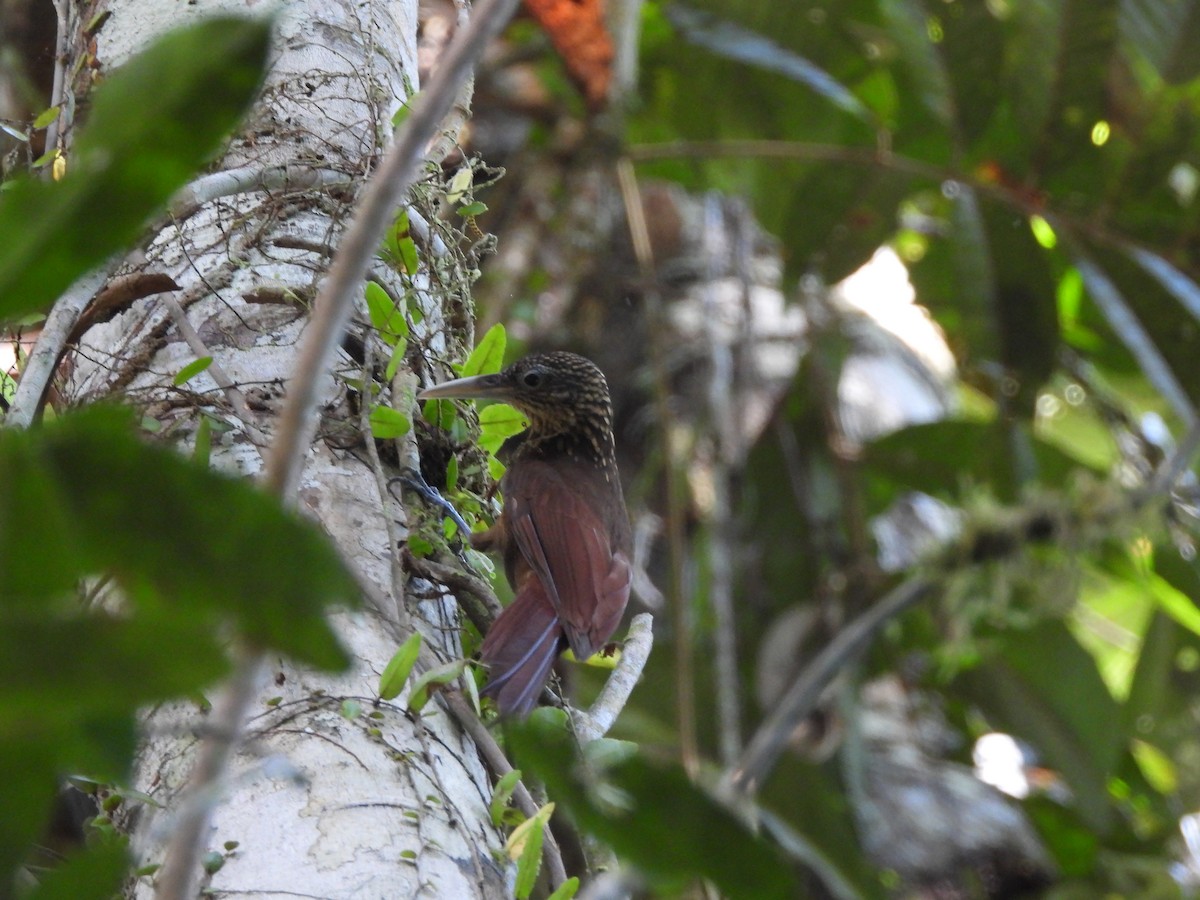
{"x": 413, "y": 480}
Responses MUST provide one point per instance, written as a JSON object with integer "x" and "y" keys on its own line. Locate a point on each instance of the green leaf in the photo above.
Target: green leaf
{"x": 497, "y": 423}
{"x": 396, "y": 673}
{"x": 443, "y": 674}
{"x": 908, "y": 25}
{"x": 439, "y": 413}
{"x": 203, "y": 447}
{"x": 29, "y": 764}
{"x": 1044, "y": 687}
{"x": 386, "y": 317}
{"x": 190, "y": 88}
{"x": 566, "y": 890}
{"x": 502, "y": 794}
{"x": 477, "y": 208}
{"x": 94, "y": 874}
{"x": 105, "y": 501}
{"x": 61, "y": 670}
{"x": 525, "y": 848}
{"x": 191, "y": 370}
{"x": 46, "y": 117}
{"x": 753, "y": 48}
{"x": 1175, "y": 585}
{"x": 388, "y": 423}
{"x": 488, "y": 355}
{"x": 706, "y": 841}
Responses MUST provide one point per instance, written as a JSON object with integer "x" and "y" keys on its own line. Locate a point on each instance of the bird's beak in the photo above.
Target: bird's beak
{"x": 484, "y": 387}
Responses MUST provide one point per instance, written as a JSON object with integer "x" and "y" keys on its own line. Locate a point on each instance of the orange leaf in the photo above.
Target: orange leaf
{"x": 579, "y": 34}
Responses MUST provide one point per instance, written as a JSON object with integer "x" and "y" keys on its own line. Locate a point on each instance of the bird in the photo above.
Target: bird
{"x": 563, "y": 531}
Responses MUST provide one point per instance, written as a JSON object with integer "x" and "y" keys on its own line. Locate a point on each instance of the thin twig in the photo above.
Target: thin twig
{"x": 474, "y": 595}
{"x": 1172, "y": 467}
{"x": 721, "y": 404}
{"x": 395, "y": 568}
{"x": 599, "y": 718}
{"x": 58, "y": 92}
{"x": 377, "y": 203}
{"x": 177, "y": 879}
{"x": 215, "y": 370}
{"x": 287, "y": 178}
{"x": 689, "y": 750}
{"x": 801, "y": 698}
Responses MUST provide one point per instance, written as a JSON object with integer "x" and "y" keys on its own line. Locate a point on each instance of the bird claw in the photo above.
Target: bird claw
{"x": 413, "y": 480}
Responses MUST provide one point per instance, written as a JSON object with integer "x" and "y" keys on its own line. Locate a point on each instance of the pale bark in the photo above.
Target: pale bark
{"x": 332, "y": 795}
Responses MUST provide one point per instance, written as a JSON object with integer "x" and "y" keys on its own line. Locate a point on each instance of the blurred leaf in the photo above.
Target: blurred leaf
{"x": 920, "y": 457}
{"x": 1166, "y": 34}
{"x": 743, "y": 45}
{"x": 1158, "y": 768}
{"x": 1130, "y": 330}
{"x": 45, "y": 117}
{"x": 30, "y": 780}
{"x": 399, "y": 667}
{"x": 1073, "y": 844}
{"x": 909, "y": 25}
{"x": 96, "y": 873}
{"x": 566, "y": 890}
{"x": 1062, "y": 53}
{"x": 205, "y": 541}
{"x": 488, "y": 355}
{"x": 190, "y": 88}
{"x": 838, "y": 216}
{"x": 661, "y": 823}
{"x": 1042, "y": 686}
{"x": 822, "y": 834}
{"x": 1175, "y": 584}
{"x": 398, "y": 246}
{"x": 1004, "y": 299}
{"x": 1152, "y": 677}
{"x": 62, "y": 670}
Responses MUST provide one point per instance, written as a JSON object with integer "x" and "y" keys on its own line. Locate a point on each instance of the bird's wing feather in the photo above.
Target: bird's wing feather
{"x": 569, "y": 549}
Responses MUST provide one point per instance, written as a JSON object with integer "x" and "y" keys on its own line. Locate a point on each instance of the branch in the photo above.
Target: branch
{"x": 60, "y": 322}
{"x": 218, "y": 374}
{"x": 177, "y": 880}
{"x": 763, "y": 751}
{"x": 685, "y": 689}
{"x": 500, "y": 766}
{"x": 474, "y": 595}
{"x": 596, "y": 722}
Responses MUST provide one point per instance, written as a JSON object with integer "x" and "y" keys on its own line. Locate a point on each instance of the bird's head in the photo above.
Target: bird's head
{"x": 560, "y": 393}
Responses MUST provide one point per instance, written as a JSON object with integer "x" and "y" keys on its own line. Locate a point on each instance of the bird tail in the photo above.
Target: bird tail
{"x": 520, "y": 649}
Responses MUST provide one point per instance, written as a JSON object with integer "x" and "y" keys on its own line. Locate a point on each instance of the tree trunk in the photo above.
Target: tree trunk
{"x": 334, "y": 794}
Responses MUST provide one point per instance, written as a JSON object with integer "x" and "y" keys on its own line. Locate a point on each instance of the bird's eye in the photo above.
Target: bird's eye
{"x": 532, "y": 378}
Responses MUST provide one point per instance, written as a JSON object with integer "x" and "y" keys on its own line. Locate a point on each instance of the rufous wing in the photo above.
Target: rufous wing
{"x": 561, "y": 534}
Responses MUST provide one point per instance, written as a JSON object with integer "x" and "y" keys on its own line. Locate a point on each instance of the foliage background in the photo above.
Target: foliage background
{"x": 1034, "y": 163}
